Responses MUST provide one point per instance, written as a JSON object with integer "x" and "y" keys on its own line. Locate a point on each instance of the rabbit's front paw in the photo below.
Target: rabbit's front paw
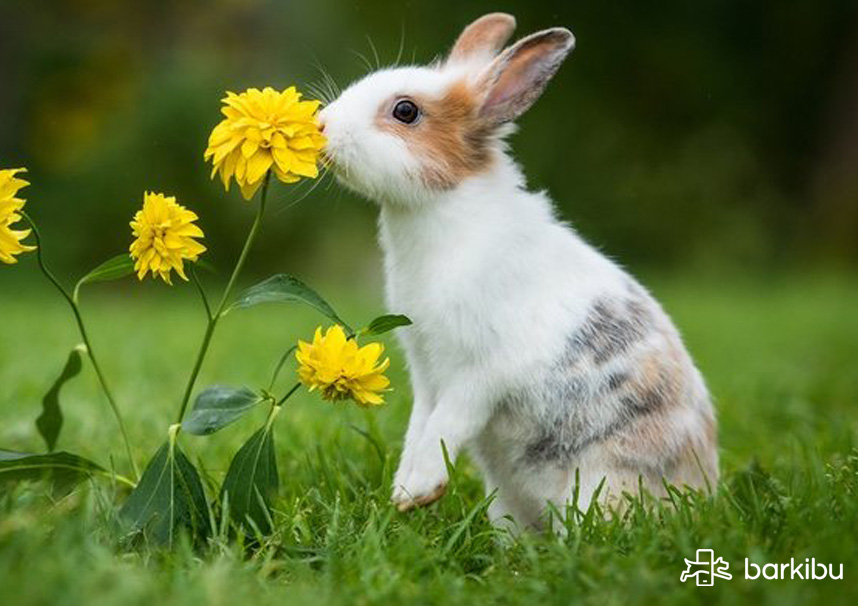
{"x": 422, "y": 487}
{"x": 406, "y": 466}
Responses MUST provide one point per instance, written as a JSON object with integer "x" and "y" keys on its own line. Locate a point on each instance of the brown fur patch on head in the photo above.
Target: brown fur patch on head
{"x": 450, "y": 140}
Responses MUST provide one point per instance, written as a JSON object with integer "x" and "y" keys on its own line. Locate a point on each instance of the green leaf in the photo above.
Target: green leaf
{"x": 251, "y": 481}
{"x": 169, "y": 497}
{"x": 50, "y": 422}
{"x": 383, "y": 324}
{"x": 116, "y": 268}
{"x": 62, "y": 469}
{"x": 284, "y": 288}
{"x": 218, "y": 406}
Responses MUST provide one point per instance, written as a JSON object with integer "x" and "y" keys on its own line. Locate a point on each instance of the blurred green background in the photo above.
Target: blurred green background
{"x": 711, "y": 135}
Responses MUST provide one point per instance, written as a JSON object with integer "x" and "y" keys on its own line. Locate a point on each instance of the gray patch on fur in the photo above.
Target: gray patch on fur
{"x": 561, "y": 444}
{"x": 612, "y": 328}
{"x": 617, "y": 380}
{"x": 586, "y": 406}
{"x": 644, "y": 402}
{"x": 564, "y": 439}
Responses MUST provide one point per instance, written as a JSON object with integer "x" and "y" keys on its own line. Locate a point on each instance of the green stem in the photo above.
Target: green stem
{"x": 279, "y": 366}
{"x": 120, "y": 479}
{"x": 288, "y": 395}
{"x": 84, "y": 335}
{"x": 204, "y": 347}
{"x": 201, "y": 290}
{"x": 215, "y": 317}
{"x": 254, "y": 229}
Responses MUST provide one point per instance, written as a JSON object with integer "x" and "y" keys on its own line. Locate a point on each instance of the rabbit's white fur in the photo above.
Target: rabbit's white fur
{"x": 529, "y": 346}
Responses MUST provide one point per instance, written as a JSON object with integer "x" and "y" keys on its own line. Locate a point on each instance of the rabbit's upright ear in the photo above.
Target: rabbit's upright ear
{"x": 483, "y": 38}
{"x": 516, "y": 78}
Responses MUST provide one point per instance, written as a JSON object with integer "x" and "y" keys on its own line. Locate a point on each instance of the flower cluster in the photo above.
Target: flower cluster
{"x": 265, "y": 130}
{"x": 164, "y": 232}
{"x": 11, "y": 240}
{"x": 340, "y": 369}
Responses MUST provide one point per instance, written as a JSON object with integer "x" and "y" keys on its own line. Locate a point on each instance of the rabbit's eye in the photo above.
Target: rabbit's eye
{"x": 406, "y": 111}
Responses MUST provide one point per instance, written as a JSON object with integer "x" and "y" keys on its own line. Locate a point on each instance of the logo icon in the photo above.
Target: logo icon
{"x": 705, "y": 568}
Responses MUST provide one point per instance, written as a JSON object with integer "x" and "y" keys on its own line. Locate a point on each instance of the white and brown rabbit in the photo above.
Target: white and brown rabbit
{"x": 529, "y": 348}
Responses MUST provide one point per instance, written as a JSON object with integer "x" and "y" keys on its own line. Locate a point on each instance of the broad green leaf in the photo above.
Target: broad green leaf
{"x": 284, "y": 288}
{"x": 62, "y": 469}
{"x": 218, "y": 406}
{"x": 116, "y": 268}
{"x": 50, "y": 422}
{"x": 169, "y": 497}
{"x": 251, "y": 481}
{"x": 383, "y": 324}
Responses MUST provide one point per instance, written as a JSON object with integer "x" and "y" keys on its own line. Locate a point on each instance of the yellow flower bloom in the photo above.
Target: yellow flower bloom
{"x": 11, "y": 239}
{"x": 265, "y": 130}
{"x": 340, "y": 369}
{"x": 164, "y": 232}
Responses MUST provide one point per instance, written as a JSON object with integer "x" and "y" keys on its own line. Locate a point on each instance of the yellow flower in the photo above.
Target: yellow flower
{"x": 264, "y": 130}
{"x": 340, "y": 369}
{"x": 11, "y": 239}
{"x": 165, "y": 233}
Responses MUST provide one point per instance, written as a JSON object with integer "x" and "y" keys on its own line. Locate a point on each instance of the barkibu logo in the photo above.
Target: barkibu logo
{"x": 705, "y": 568}
{"x": 809, "y": 569}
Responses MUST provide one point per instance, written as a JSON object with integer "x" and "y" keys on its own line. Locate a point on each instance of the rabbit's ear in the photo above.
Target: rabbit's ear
{"x": 516, "y": 78}
{"x": 484, "y": 37}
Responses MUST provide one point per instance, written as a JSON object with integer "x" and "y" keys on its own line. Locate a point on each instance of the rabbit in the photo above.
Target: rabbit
{"x": 551, "y": 365}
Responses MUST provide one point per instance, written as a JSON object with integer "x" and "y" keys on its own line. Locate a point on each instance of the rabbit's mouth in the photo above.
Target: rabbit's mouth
{"x": 328, "y": 159}
{"x": 341, "y": 168}
{"x": 337, "y": 160}
{"x": 331, "y": 162}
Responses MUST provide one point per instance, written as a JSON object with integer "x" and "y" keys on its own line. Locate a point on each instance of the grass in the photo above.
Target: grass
{"x": 779, "y": 356}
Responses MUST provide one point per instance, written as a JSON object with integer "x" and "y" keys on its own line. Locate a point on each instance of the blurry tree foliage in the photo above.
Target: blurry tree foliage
{"x": 677, "y": 134}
